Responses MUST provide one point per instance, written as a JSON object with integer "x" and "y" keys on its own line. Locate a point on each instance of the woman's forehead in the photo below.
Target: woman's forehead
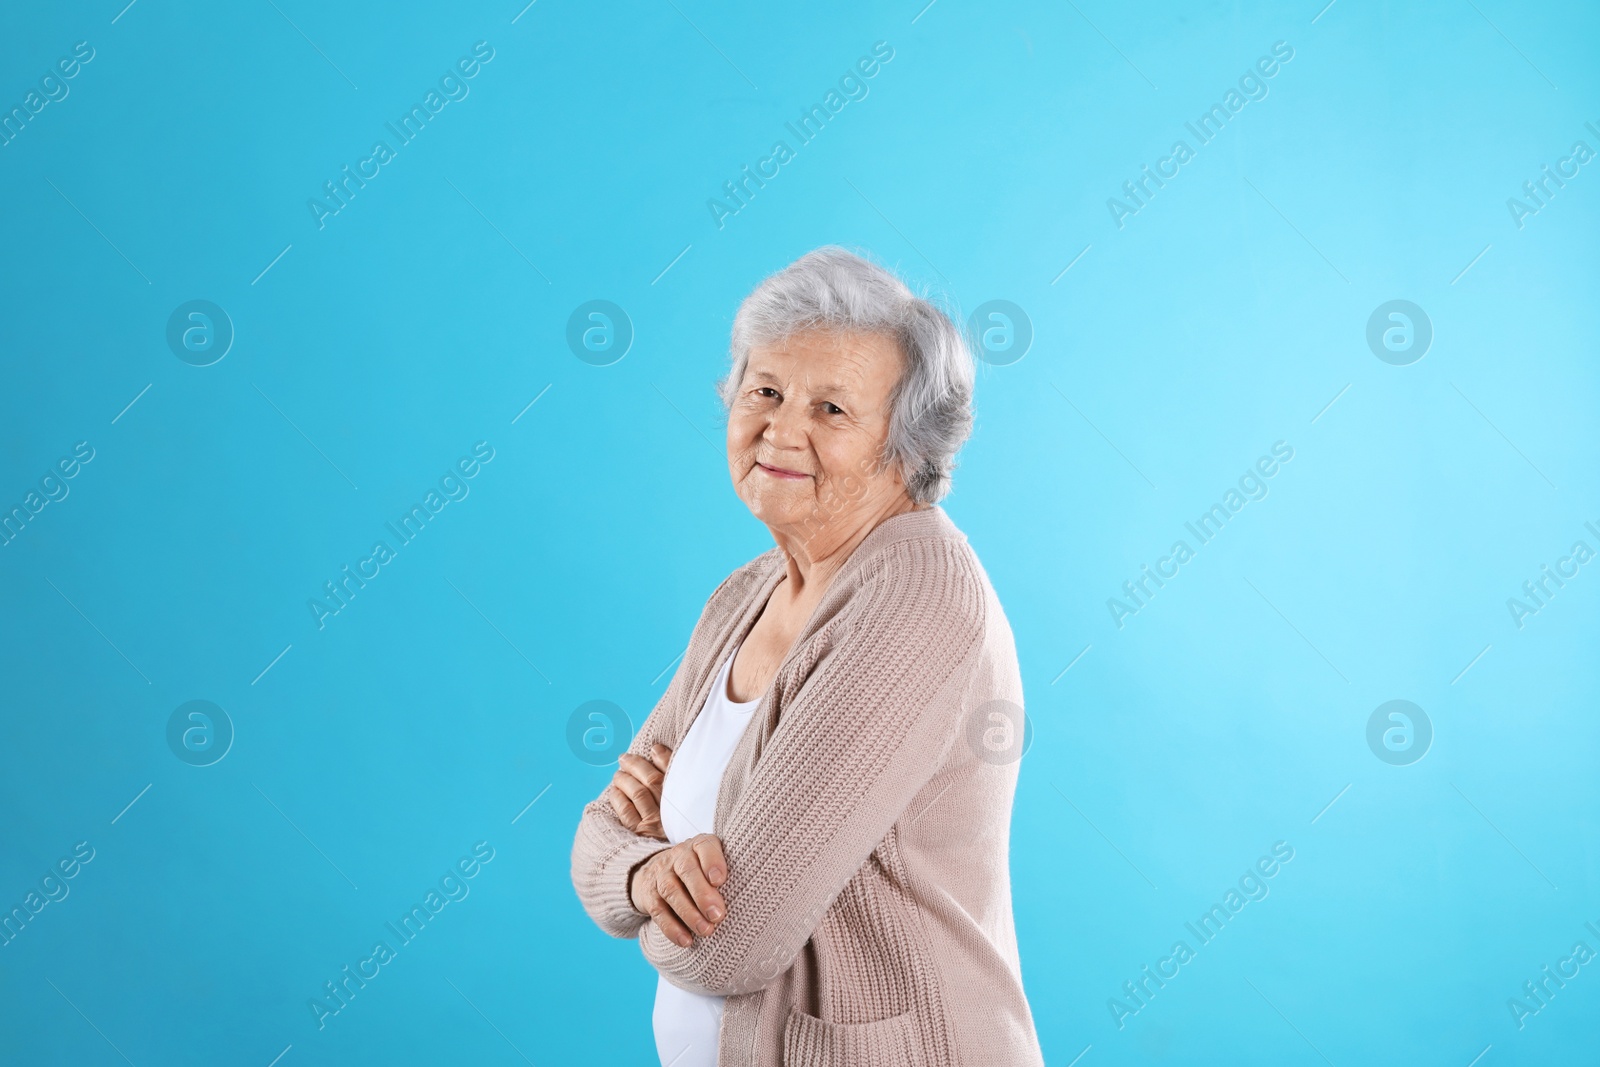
{"x": 826, "y": 359}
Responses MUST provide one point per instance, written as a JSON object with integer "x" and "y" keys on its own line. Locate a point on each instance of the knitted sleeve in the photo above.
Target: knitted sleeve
{"x": 604, "y": 852}
{"x": 866, "y": 730}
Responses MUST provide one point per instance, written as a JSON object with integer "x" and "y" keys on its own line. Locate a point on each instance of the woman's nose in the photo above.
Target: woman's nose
{"x": 786, "y": 428}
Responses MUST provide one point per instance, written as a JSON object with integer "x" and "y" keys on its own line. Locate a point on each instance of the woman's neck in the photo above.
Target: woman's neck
{"x": 812, "y": 557}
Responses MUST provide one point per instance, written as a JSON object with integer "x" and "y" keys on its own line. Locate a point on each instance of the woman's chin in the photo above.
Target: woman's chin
{"x": 776, "y": 507}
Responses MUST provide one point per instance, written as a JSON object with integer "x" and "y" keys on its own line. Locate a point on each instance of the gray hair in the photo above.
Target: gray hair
{"x": 837, "y": 290}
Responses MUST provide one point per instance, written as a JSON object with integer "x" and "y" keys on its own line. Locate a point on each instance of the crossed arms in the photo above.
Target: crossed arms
{"x": 870, "y": 727}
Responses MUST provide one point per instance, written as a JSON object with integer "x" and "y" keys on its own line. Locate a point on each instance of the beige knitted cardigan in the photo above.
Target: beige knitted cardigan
{"x": 869, "y": 901}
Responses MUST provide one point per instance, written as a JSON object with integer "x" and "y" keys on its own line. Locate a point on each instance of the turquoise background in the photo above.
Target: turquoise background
{"x": 370, "y": 354}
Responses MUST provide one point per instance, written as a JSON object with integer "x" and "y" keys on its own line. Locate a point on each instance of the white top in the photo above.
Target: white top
{"x": 687, "y": 1024}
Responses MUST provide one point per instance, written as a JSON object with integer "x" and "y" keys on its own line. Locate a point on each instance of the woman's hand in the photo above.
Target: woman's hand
{"x": 635, "y": 791}
{"x": 677, "y": 887}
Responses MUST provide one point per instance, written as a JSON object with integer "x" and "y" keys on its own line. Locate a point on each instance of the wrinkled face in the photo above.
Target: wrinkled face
{"x": 807, "y": 428}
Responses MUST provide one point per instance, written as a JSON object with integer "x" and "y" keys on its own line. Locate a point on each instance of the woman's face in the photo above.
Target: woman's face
{"x": 807, "y": 429}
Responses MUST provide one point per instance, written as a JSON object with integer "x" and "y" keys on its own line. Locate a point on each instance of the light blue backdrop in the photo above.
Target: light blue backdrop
{"x": 375, "y": 346}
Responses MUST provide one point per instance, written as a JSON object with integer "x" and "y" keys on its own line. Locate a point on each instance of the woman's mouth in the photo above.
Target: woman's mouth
{"x": 780, "y": 472}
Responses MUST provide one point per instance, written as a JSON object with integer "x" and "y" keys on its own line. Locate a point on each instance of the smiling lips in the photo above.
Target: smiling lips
{"x": 780, "y": 472}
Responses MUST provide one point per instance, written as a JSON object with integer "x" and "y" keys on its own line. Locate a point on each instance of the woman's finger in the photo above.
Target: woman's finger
{"x": 708, "y": 847}
{"x": 651, "y": 828}
{"x": 642, "y": 769}
{"x": 661, "y": 756}
{"x": 666, "y": 892}
{"x": 627, "y": 814}
{"x": 644, "y": 800}
{"x": 709, "y": 902}
{"x": 677, "y": 896}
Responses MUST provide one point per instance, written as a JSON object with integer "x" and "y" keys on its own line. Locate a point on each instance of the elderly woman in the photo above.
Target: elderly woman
{"x": 809, "y": 836}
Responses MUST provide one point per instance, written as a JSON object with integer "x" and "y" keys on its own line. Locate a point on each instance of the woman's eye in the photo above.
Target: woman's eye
{"x": 767, "y": 392}
{"x": 832, "y": 408}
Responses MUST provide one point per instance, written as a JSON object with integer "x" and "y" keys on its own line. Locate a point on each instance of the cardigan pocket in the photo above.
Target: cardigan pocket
{"x": 810, "y": 1042}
